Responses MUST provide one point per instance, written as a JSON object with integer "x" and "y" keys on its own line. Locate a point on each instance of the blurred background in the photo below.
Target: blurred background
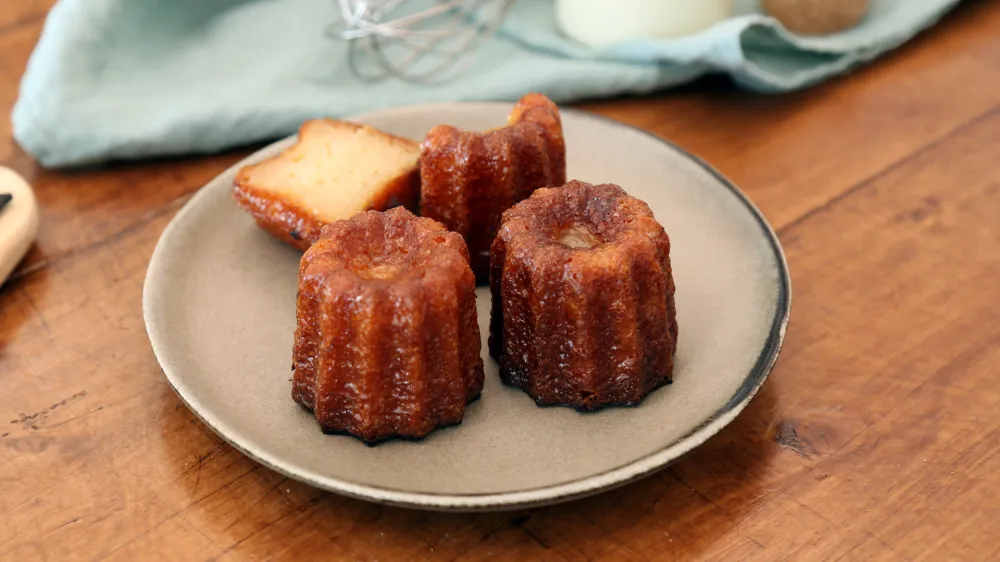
{"x": 122, "y": 79}
{"x": 865, "y": 132}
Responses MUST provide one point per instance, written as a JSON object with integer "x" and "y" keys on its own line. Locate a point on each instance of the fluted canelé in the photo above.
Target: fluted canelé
{"x": 468, "y": 179}
{"x": 387, "y": 343}
{"x": 583, "y": 298}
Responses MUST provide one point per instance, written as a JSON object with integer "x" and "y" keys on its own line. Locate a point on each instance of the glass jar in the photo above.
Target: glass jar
{"x": 604, "y": 22}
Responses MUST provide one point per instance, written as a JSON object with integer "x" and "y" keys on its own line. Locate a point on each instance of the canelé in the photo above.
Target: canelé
{"x": 583, "y": 298}
{"x": 468, "y": 179}
{"x": 387, "y": 342}
{"x": 335, "y": 170}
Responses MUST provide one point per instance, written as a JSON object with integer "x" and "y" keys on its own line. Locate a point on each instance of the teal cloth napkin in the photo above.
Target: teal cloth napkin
{"x": 122, "y": 79}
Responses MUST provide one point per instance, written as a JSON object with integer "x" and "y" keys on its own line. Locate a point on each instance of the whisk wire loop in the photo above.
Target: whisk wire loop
{"x": 424, "y": 46}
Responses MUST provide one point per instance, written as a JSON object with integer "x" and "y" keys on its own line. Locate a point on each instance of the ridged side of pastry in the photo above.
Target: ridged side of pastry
{"x": 335, "y": 170}
{"x": 394, "y": 356}
{"x": 468, "y": 179}
{"x": 585, "y": 327}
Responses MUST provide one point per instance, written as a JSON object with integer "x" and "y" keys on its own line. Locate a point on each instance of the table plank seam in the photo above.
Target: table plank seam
{"x": 46, "y": 263}
{"x": 868, "y": 181}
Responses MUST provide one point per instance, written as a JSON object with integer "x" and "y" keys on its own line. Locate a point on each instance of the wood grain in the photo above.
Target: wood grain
{"x": 876, "y": 438}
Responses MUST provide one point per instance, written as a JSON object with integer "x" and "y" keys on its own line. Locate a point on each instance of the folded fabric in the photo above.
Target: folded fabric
{"x": 122, "y": 79}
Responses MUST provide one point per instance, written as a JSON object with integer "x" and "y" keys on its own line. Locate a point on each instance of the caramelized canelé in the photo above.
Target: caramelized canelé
{"x": 583, "y": 298}
{"x": 387, "y": 342}
{"x": 468, "y": 179}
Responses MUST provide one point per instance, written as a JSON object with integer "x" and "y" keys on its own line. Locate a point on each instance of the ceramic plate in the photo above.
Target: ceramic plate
{"x": 219, "y": 304}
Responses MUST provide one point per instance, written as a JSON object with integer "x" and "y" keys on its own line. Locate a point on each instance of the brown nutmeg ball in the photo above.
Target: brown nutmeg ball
{"x": 817, "y": 17}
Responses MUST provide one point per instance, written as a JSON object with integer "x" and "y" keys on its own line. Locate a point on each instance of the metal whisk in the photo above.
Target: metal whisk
{"x": 413, "y": 40}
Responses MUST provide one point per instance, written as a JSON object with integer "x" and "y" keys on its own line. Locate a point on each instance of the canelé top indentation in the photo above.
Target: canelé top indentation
{"x": 577, "y": 235}
{"x": 581, "y": 216}
{"x": 388, "y": 247}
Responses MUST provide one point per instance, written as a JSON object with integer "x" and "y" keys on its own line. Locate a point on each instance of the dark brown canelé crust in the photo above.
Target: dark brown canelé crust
{"x": 387, "y": 342}
{"x": 585, "y": 327}
{"x": 293, "y": 225}
{"x": 468, "y": 179}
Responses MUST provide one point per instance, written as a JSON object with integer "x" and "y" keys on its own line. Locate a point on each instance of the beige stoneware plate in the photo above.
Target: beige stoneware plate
{"x": 219, "y": 304}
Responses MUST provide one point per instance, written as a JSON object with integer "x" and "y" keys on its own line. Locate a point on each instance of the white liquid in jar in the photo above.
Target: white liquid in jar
{"x": 603, "y": 22}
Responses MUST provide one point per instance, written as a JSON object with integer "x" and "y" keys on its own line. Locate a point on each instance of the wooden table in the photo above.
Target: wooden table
{"x": 877, "y": 436}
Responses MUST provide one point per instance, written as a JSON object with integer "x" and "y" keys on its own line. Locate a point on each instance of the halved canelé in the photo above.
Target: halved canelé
{"x": 335, "y": 170}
